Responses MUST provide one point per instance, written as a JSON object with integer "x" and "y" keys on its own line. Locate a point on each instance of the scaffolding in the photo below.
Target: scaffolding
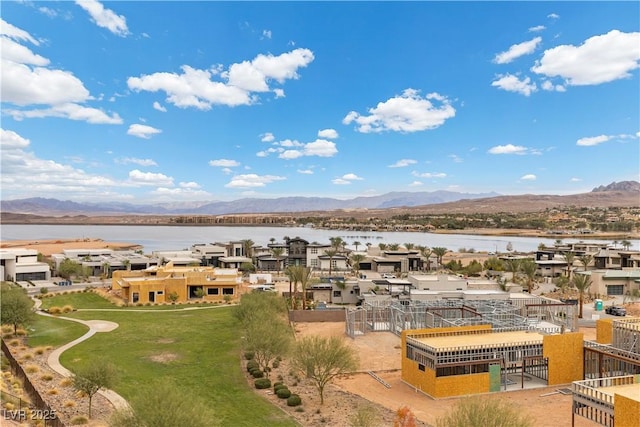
{"x": 536, "y": 313}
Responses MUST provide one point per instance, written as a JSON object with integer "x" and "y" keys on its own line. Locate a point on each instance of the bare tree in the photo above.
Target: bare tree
{"x": 322, "y": 359}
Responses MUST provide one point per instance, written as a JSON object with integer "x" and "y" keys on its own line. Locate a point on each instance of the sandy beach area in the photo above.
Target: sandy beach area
{"x": 48, "y": 247}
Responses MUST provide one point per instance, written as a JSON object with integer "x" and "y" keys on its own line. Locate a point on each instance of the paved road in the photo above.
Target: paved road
{"x": 94, "y": 326}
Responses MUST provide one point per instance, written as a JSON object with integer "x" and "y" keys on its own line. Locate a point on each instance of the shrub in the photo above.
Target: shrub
{"x": 249, "y": 355}
{"x": 79, "y": 420}
{"x": 66, "y": 382}
{"x": 69, "y": 404}
{"x": 46, "y": 377}
{"x": 279, "y": 386}
{"x": 251, "y": 365}
{"x": 262, "y": 383}
{"x": 55, "y": 310}
{"x": 300, "y": 409}
{"x": 67, "y": 309}
{"x": 44, "y": 290}
{"x": 284, "y": 393}
{"x": 30, "y": 369}
{"x": 53, "y": 391}
{"x": 275, "y": 364}
{"x": 294, "y": 400}
{"x": 257, "y": 373}
{"x": 39, "y": 350}
{"x": 276, "y": 384}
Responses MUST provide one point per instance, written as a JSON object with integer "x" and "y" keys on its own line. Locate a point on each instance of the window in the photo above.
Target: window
{"x": 314, "y": 250}
{"x": 314, "y": 262}
{"x": 135, "y": 297}
{"x": 337, "y": 294}
{"x": 421, "y": 367}
{"x": 213, "y": 291}
{"x": 160, "y": 292}
{"x": 227, "y": 291}
{"x": 334, "y": 263}
{"x": 615, "y": 290}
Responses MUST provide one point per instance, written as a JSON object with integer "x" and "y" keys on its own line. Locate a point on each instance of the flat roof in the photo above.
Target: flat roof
{"x": 488, "y": 339}
{"x": 631, "y": 391}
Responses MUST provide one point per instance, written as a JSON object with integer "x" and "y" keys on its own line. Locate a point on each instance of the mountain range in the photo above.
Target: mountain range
{"x": 625, "y": 193}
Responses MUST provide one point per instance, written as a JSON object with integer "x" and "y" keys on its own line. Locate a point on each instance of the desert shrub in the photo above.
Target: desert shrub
{"x": 39, "y": 350}
{"x": 14, "y": 343}
{"x": 46, "y": 377}
{"x": 299, "y": 409}
{"x": 67, "y": 309}
{"x": 21, "y": 332}
{"x": 279, "y": 386}
{"x": 257, "y": 373}
{"x": 27, "y": 356}
{"x": 283, "y": 393}
{"x": 55, "y": 310}
{"x": 53, "y": 391}
{"x": 275, "y": 364}
{"x": 251, "y": 365}
{"x": 66, "y": 382}
{"x": 30, "y": 369}
{"x": 69, "y": 404}
{"x": 249, "y": 355}
{"x": 79, "y": 420}
{"x": 277, "y": 383}
{"x": 294, "y": 400}
{"x": 44, "y": 290}
{"x": 476, "y": 411}
{"x": 262, "y": 383}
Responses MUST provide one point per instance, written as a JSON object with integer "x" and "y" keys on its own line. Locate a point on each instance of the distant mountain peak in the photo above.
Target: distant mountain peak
{"x": 619, "y": 186}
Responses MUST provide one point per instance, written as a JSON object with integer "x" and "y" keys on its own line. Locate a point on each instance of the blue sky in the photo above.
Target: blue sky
{"x": 146, "y": 102}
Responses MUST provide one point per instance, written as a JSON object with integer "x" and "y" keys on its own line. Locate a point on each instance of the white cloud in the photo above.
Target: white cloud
{"x": 351, "y": 177}
{"x": 408, "y": 112}
{"x": 455, "y": 158}
{"x": 225, "y": 163}
{"x": 415, "y": 184}
{"x": 328, "y": 133}
{"x": 278, "y": 92}
{"x": 142, "y": 131}
{"x": 574, "y": 179}
{"x": 340, "y": 181}
{"x": 266, "y": 34}
{"x": 305, "y": 171}
{"x": 195, "y": 88}
{"x": 25, "y": 80}
{"x": 180, "y": 193}
{"x": 136, "y": 161}
{"x": 25, "y": 175}
{"x": 289, "y": 143}
{"x": 537, "y": 28}
{"x": 593, "y": 140}
{"x": 600, "y": 59}
{"x": 549, "y": 86}
{"x": 13, "y": 32}
{"x": 48, "y": 11}
{"x": 105, "y": 18}
{"x": 319, "y": 148}
{"x": 553, "y": 16}
{"x": 429, "y": 174}
{"x": 508, "y": 149}
{"x": 252, "y": 180}
{"x": 267, "y": 137}
{"x": 159, "y": 107}
{"x": 150, "y": 178}
{"x": 189, "y": 184}
{"x": 403, "y": 163}
{"x": 512, "y": 83}
{"x": 528, "y": 177}
{"x": 11, "y": 140}
{"x": 68, "y": 111}
{"x": 517, "y": 50}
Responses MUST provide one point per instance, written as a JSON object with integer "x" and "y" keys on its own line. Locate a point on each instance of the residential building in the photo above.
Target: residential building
{"x": 159, "y": 284}
{"x": 613, "y": 282}
{"x": 20, "y": 264}
{"x": 103, "y": 262}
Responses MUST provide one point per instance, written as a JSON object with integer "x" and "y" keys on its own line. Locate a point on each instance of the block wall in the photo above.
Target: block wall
{"x": 626, "y": 411}
{"x": 565, "y": 353}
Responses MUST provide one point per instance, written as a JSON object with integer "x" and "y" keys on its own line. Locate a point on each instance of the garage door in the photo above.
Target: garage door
{"x": 615, "y": 290}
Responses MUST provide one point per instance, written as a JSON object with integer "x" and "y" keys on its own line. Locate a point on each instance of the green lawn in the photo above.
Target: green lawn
{"x": 77, "y": 300}
{"x": 198, "y": 349}
{"x": 45, "y": 331}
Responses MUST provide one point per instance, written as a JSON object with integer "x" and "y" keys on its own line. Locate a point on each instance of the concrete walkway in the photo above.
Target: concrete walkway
{"x": 94, "y": 326}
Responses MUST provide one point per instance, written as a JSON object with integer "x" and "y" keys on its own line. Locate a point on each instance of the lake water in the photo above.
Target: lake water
{"x": 158, "y": 238}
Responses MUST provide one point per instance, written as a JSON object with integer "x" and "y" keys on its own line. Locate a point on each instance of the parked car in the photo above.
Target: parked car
{"x": 615, "y": 310}
{"x": 388, "y": 276}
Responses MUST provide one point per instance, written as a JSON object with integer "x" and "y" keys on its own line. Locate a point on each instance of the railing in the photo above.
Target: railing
{"x": 50, "y": 417}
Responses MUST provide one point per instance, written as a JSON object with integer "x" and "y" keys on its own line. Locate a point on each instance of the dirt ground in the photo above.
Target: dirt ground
{"x": 382, "y": 350}
{"x": 48, "y": 247}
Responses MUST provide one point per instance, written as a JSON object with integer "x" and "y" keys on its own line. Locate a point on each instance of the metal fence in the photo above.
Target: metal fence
{"x": 49, "y": 417}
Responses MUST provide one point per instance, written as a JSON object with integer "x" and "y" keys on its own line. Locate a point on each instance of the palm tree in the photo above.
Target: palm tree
{"x": 382, "y": 246}
{"x": 542, "y": 247}
{"x": 513, "y": 266}
{"x": 439, "y": 252}
{"x": 337, "y": 243}
{"x": 626, "y": 244}
{"x": 529, "y": 269}
{"x": 409, "y": 246}
{"x": 356, "y": 244}
{"x": 581, "y": 282}
{"x": 356, "y": 259}
{"x": 331, "y": 253}
{"x": 127, "y": 264}
{"x": 562, "y": 282}
{"x": 247, "y": 247}
{"x": 106, "y": 269}
{"x": 569, "y": 257}
{"x": 425, "y": 252}
{"x": 394, "y": 246}
{"x": 585, "y": 260}
{"x": 304, "y": 274}
{"x": 614, "y": 243}
{"x": 277, "y": 253}
{"x": 292, "y": 274}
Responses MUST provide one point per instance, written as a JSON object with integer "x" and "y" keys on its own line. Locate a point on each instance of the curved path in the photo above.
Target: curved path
{"x": 94, "y": 326}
